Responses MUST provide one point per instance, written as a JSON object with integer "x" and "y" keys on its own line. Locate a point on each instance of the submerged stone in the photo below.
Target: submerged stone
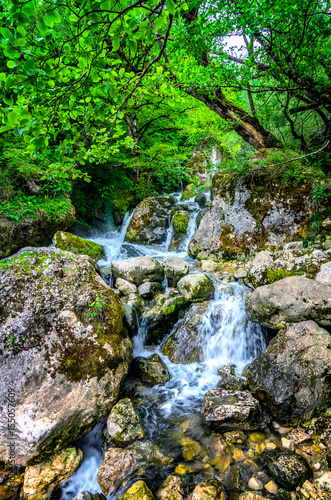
{"x": 151, "y": 370}
{"x": 287, "y": 468}
{"x": 124, "y": 423}
{"x": 138, "y": 491}
{"x": 211, "y": 489}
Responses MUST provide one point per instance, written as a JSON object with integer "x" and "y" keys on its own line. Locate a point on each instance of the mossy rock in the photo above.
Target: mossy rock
{"x": 180, "y": 222}
{"x": 138, "y": 491}
{"x": 77, "y": 245}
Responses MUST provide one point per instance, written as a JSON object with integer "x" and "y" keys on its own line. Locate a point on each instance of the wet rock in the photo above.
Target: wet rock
{"x": 40, "y": 480}
{"x": 237, "y": 476}
{"x": 324, "y": 481}
{"x": 149, "y": 222}
{"x": 138, "y": 491}
{"x": 86, "y": 495}
{"x": 255, "y": 484}
{"x": 271, "y": 487}
{"x": 11, "y": 481}
{"x": 200, "y": 199}
{"x": 138, "y": 270}
{"x": 172, "y": 488}
{"x": 229, "y": 379}
{"x": 77, "y": 245}
{"x": 237, "y": 437}
{"x": 196, "y": 287}
{"x": 185, "y": 346}
{"x": 130, "y": 319}
{"x": 124, "y": 423}
{"x": 149, "y": 289}
{"x": 200, "y": 216}
{"x": 131, "y": 251}
{"x": 211, "y": 489}
{"x": 298, "y": 436}
{"x": 250, "y": 495}
{"x": 324, "y": 275}
{"x": 223, "y": 410}
{"x": 136, "y": 302}
{"x": 290, "y": 300}
{"x": 125, "y": 286}
{"x": 151, "y": 370}
{"x": 64, "y": 349}
{"x": 188, "y": 193}
{"x": 208, "y": 266}
{"x": 179, "y": 224}
{"x": 292, "y": 375}
{"x": 287, "y": 468}
{"x": 175, "y": 268}
{"x": 120, "y": 463}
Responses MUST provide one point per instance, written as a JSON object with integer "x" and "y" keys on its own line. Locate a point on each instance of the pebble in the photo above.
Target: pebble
{"x": 317, "y": 466}
{"x": 271, "y": 487}
{"x": 298, "y": 436}
{"x": 270, "y": 446}
{"x": 287, "y": 444}
{"x": 283, "y": 430}
{"x": 238, "y": 455}
{"x": 255, "y": 484}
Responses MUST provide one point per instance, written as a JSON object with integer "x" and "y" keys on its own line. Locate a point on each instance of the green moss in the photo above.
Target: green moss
{"x": 180, "y": 222}
{"x": 131, "y": 235}
{"x": 174, "y": 307}
{"x": 77, "y": 245}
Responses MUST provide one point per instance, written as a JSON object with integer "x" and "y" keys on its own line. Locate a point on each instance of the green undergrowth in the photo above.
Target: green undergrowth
{"x": 23, "y": 207}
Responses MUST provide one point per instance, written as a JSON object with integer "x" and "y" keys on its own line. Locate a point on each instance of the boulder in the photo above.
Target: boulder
{"x": 292, "y": 376}
{"x": 77, "y": 245}
{"x": 184, "y": 346}
{"x": 179, "y": 224}
{"x": 136, "y": 302}
{"x": 246, "y": 216}
{"x": 188, "y": 193}
{"x": 196, "y": 287}
{"x": 120, "y": 463}
{"x": 200, "y": 216}
{"x": 125, "y": 287}
{"x": 138, "y": 491}
{"x": 200, "y": 199}
{"x": 229, "y": 379}
{"x": 64, "y": 350}
{"x": 287, "y": 468}
{"x": 138, "y": 270}
{"x": 211, "y": 489}
{"x": 226, "y": 410}
{"x": 290, "y": 300}
{"x": 175, "y": 268}
{"x": 324, "y": 275}
{"x": 149, "y": 289}
{"x": 151, "y": 370}
{"x": 148, "y": 225}
{"x": 130, "y": 319}
{"x": 172, "y": 488}
{"x": 41, "y": 480}
{"x": 124, "y": 423}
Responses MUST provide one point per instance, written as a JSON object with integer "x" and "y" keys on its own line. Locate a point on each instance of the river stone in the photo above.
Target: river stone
{"x": 324, "y": 276}
{"x": 292, "y": 376}
{"x": 250, "y": 495}
{"x": 208, "y": 266}
{"x": 225, "y": 410}
{"x": 138, "y": 270}
{"x": 125, "y": 286}
{"x": 200, "y": 199}
{"x": 324, "y": 481}
{"x": 138, "y": 491}
{"x": 130, "y": 319}
{"x": 40, "y": 480}
{"x": 172, "y": 488}
{"x": 151, "y": 370}
{"x": 149, "y": 289}
{"x": 196, "y": 287}
{"x": 134, "y": 300}
{"x": 175, "y": 268}
{"x": 200, "y": 216}
{"x": 77, "y": 245}
{"x": 287, "y": 468}
{"x": 124, "y": 423}
{"x": 185, "y": 345}
{"x": 61, "y": 355}
{"x": 86, "y": 495}
{"x": 290, "y": 300}
{"x": 211, "y": 489}
{"x": 120, "y": 463}
{"x": 229, "y": 379}
{"x": 148, "y": 225}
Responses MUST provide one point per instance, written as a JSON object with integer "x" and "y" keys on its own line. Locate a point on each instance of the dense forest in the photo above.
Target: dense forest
{"x": 106, "y": 101}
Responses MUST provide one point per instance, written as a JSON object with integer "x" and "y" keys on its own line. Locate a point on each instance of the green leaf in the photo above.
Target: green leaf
{"x": 5, "y": 128}
{"x": 12, "y": 117}
{"x": 171, "y": 6}
{"x": 116, "y": 43}
{"x": 11, "y": 64}
{"x": 55, "y": 16}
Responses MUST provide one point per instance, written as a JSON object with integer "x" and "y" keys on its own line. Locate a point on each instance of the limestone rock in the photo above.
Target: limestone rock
{"x": 196, "y": 287}
{"x": 138, "y": 270}
{"x": 290, "y": 300}
{"x": 208, "y": 490}
{"x": 64, "y": 350}
{"x": 149, "y": 222}
{"x": 324, "y": 276}
{"x": 292, "y": 375}
{"x": 124, "y": 423}
{"x": 40, "y": 480}
{"x": 287, "y": 468}
{"x": 148, "y": 289}
{"x": 324, "y": 481}
{"x": 77, "y": 245}
{"x": 224, "y": 410}
{"x": 172, "y": 488}
{"x": 229, "y": 379}
{"x": 138, "y": 491}
{"x": 125, "y": 286}
{"x": 130, "y": 319}
{"x": 184, "y": 345}
{"x": 151, "y": 370}
{"x": 208, "y": 266}
{"x": 175, "y": 268}
{"x": 136, "y": 302}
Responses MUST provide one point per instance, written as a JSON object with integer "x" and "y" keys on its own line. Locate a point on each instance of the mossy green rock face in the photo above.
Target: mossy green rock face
{"x": 40, "y": 480}
{"x": 77, "y": 245}
{"x": 179, "y": 223}
{"x": 34, "y": 232}
{"x": 123, "y": 423}
{"x": 138, "y": 491}
{"x": 292, "y": 376}
{"x": 63, "y": 348}
{"x": 196, "y": 287}
{"x": 151, "y": 370}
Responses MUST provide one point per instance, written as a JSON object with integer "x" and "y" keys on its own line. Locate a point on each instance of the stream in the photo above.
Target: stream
{"x": 171, "y": 412}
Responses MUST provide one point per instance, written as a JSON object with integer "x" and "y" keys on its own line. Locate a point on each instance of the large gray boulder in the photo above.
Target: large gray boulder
{"x": 196, "y": 287}
{"x": 290, "y": 300}
{"x": 175, "y": 268}
{"x": 64, "y": 350}
{"x": 138, "y": 270}
{"x": 292, "y": 376}
{"x": 324, "y": 275}
{"x": 149, "y": 222}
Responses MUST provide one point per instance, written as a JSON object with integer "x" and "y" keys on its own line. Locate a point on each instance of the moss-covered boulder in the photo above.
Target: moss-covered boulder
{"x": 188, "y": 193}
{"x": 64, "y": 350}
{"x": 149, "y": 222}
{"x": 151, "y": 370}
{"x": 37, "y": 230}
{"x": 124, "y": 423}
{"x": 138, "y": 491}
{"x": 41, "y": 480}
{"x": 179, "y": 223}
{"x": 196, "y": 287}
{"x": 77, "y": 245}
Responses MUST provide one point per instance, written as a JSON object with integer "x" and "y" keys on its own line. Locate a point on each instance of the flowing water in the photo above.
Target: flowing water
{"x": 169, "y": 411}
